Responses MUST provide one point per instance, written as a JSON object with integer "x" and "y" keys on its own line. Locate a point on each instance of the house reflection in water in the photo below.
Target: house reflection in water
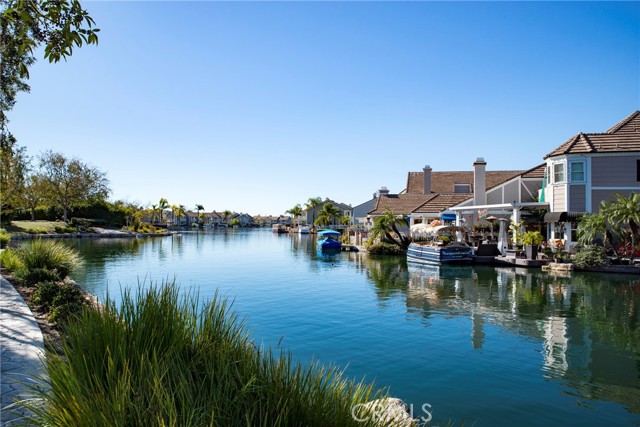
{"x": 588, "y": 324}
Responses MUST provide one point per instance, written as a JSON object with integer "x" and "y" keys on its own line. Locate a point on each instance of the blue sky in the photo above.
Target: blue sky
{"x": 257, "y": 106}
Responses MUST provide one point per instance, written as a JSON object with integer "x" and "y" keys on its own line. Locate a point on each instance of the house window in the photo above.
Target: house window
{"x": 558, "y": 172}
{"x": 462, "y": 188}
{"x": 577, "y": 171}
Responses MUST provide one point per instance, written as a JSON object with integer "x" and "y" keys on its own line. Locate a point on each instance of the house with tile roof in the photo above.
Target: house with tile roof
{"x": 459, "y": 195}
{"x": 588, "y": 169}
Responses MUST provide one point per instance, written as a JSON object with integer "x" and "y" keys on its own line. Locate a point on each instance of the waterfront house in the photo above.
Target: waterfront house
{"x": 463, "y": 196}
{"x": 311, "y": 214}
{"x": 360, "y": 213}
{"x": 588, "y": 169}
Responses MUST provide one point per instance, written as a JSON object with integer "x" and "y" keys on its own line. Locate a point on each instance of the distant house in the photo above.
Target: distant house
{"x": 360, "y": 213}
{"x": 588, "y": 169}
{"x": 310, "y": 215}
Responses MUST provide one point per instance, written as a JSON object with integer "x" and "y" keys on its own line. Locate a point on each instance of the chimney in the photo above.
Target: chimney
{"x": 427, "y": 179}
{"x": 479, "y": 182}
{"x": 383, "y": 191}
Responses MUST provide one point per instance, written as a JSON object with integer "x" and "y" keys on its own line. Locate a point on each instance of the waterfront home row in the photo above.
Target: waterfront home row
{"x": 574, "y": 179}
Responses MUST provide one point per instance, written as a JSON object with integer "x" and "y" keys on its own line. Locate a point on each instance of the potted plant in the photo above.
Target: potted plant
{"x": 531, "y": 240}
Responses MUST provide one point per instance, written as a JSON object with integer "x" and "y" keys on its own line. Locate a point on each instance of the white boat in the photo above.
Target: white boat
{"x": 441, "y": 244}
{"x": 303, "y": 229}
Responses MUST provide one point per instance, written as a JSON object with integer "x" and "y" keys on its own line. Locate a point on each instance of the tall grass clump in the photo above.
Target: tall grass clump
{"x": 4, "y": 238}
{"x": 10, "y": 260}
{"x": 161, "y": 359}
{"x": 45, "y": 260}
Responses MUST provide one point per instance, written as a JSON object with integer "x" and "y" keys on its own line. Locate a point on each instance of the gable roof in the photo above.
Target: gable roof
{"x": 622, "y": 137}
{"x": 443, "y": 182}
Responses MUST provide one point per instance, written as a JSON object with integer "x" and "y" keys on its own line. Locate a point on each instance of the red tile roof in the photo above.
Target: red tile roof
{"x": 623, "y": 137}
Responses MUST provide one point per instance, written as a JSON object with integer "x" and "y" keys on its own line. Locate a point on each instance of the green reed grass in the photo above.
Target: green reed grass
{"x": 162, "y": 359}
{"x": 47, "y": 256}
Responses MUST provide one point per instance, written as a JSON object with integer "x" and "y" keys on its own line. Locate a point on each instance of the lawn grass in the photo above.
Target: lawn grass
{"x": 23, "y": 226}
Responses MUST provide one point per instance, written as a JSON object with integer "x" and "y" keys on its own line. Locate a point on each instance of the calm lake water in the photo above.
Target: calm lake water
{"x": 481, "y": 345}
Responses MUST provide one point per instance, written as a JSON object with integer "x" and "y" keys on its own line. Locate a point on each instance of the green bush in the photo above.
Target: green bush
{"x": 32, "y": 230}
{"x": 64, "y": 229}
{"x": 60, "y": 299}
{"x": 44, "y": 294}
{"x": 161, "y": 359}
{"x": 32, "y": 276}
{"x": 591, "y": 256}
{"x": 4, "y": 238}
{"x": 382, "y": 248}
{"x": 48, "y": 259}
{"x": 10, "y": 260}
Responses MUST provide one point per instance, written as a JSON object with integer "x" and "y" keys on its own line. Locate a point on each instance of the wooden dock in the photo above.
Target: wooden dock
{"x": 520, "y": 262}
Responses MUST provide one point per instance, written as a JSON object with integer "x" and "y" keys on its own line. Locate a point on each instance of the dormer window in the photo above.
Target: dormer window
{"x": 462, "y": 188}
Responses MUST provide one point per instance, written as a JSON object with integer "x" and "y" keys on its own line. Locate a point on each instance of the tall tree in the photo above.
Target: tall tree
{"x": 295, "y": 211}
{"x": 32, "y": 195}
{"x": 311, "y": 205}
{"x": 69, "y": 181}
{"x": 162, "y": 205}
{"x": 14, "y": 167}
{"x": 199, "y": 208}
{"x": 25, "y": 25}
{"x": 226, "y": 214}
{"x": 327, "y": 214}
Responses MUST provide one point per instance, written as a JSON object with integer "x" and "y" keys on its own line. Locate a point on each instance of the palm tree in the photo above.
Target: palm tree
{"x": 625, "y": 211}
{"x": 154, "y": 209}
{"x": 174, "y": 208}
{"x": 387, "y": 223}
{"x": 327, "y": 214}
{"x": 226, "y": 214}
{"x": 198, "y": 209}
{"x": 312, "y": 204}
{"x": 162, "y": 205}
{"x": 181, "y": 212}
{"x": 295, "y": 211}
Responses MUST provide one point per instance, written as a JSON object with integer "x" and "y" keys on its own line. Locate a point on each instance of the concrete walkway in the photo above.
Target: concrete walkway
{"x": 22, "y": 352}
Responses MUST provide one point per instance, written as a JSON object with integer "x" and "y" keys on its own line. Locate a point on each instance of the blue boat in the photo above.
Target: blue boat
{"x": 328, "y": 240}
{"x": 438, "y": 245}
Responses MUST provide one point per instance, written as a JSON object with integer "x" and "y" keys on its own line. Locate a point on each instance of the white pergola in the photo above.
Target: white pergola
{"x": 501, "y": 208}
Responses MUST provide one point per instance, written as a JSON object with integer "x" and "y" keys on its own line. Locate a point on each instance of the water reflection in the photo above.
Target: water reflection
{"x": 588, "y": 325}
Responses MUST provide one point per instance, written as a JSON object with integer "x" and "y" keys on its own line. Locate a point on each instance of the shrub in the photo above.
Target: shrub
{"x": 383, "y": 248}
{"x": 33, "y": 230}
{"x": 31, "y": 276}
{"x": 10, "y": 260}
{"x": 164, "y": 360}
{"x": 591, "y": 256}
{"x": 63, "y": 229}
{"x": 60, "y": 299}
{"x": 532, "y": 238}
{"x": 44, "y": 294}
{"x": 4, "y": 238}
{"x": 38, "y": 256}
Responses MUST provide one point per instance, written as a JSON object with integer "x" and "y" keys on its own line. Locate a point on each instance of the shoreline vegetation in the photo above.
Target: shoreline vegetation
{"x": 164, "y": 357}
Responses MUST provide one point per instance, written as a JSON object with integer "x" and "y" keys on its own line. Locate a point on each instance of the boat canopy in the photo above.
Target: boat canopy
{"x": 328, "y": 233}
{"x": 422, "y": 231}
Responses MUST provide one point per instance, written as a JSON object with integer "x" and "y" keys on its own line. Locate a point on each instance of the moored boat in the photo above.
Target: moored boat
{"x": 279, "y": 228}
{"x": 328, "y": 240}
{"x": 303, "y": 229}
{"x": 438, "y": 245}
